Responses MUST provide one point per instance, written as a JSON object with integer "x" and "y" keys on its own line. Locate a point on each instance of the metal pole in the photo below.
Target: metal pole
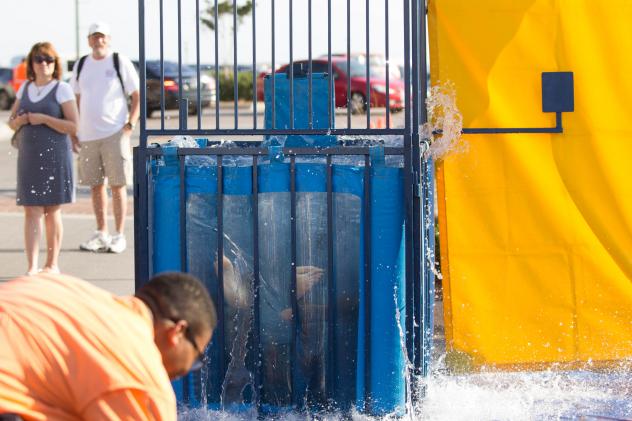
{"x": 76, "y": 29}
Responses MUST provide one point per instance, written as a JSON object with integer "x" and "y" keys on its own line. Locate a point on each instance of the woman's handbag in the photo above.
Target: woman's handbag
{"x": 15, "y": 139}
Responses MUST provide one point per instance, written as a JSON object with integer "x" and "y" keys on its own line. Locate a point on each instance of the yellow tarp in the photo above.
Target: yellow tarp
{"x": 536, "y": 230}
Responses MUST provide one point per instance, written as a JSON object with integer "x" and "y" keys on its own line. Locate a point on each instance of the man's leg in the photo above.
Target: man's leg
{"x": 100, "y": 207}
{"x": 117, "y": 160}
{"x": 91, "y": 173}
{"x": 119, "y": 206}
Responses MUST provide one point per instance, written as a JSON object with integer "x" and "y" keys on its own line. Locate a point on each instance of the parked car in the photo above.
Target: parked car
{"x": 171, "y": 88}
{"x": 7, "y": 94}
{"x": 356, "y": 76}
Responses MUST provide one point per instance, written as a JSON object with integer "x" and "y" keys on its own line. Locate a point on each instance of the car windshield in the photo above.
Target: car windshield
{"x": 358, "y": 69}
{"x": 170, "y": 68}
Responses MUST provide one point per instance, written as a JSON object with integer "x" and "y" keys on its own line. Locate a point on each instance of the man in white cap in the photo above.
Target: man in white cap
{"x": 103, "y": 81}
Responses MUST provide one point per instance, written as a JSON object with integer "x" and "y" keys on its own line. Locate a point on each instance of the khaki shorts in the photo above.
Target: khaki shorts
{"x": 109, "y": 157}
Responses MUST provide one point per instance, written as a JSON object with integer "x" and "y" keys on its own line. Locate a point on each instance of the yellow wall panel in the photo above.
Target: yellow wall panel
{"x": 536, "y": 230}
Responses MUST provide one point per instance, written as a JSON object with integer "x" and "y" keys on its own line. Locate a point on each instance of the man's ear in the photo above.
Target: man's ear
{"x": 175, "y": 332}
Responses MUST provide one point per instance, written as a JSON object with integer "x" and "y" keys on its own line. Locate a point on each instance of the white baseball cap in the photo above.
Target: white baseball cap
{"x": 99, "y": 28}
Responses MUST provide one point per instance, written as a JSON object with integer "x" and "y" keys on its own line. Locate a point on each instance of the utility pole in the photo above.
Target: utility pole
{"x": 76, "y": 29}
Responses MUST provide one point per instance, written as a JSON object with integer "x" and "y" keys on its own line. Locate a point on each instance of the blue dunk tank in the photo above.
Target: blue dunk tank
{"x": 313, "y": 248}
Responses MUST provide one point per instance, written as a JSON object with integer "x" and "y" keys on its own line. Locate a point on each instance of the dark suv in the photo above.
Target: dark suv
{"x": 170, "y": 86}
{"x": 7, "y": 94}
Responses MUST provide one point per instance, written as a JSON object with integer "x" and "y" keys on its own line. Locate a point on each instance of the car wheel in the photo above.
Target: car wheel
{"x": 193, "y": 109}
{"x": 5, "y": 100}
{"x": 357, "y": 103}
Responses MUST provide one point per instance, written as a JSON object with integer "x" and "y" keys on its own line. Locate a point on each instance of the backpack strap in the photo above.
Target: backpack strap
{"x": 117, "y": 67}
{"x": 82, "y": 60}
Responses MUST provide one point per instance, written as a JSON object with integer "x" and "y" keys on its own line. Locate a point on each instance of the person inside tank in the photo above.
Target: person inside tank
{"x": 276, "y": 317}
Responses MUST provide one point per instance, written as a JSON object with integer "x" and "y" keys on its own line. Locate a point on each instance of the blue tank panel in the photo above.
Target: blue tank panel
{"x": 166, "y": 223}
{"x": 320, "y": 104}
{"x": 388, "y": 364}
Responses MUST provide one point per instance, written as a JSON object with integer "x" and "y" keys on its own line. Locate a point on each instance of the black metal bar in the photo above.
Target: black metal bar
{"x": 414, "y": 312}
{"x": 258, "y": 350}
{"x": 368, "y": 66}
{"x": 186, "y": 396}
{"x": 162, "y": 70}
{"x": 142, "y": 73}
{"x": 388, "y": 73}
{"x": 407, "y": 65}
{"x": 248, "y": 132}
{"x": 330, "y": 81}
{"x": 221, "y": 334}
{"x": 310, "y": 121}
{"x": 367, "y": 283}
{"x": 415, "y": 67}
{"x": 430, "y": 247}
{"x": 180, "y": 60}
{"x": 182, "y": 214}
{"x": 291, "y": 68}
{"x": 141, "y": 254}
{"x": 409, "y": 235}
{"x": 235, "y": 72}
{"x": 254, "y": 65}
{"x": 338, "y": 150}
{"x": 348, "y": 64}
{"x": 420, "y": 212}
{"x": 293, "y": 286}
{"x": 183, "y": 115}
{"x": 510, "y": 130}
{"x": 197, "y": 60}
{"x": 331, "y": 291}
{"x": 273, "y": 76}
{"x": 147, "y": 203}
{"x": 217, "y": 90}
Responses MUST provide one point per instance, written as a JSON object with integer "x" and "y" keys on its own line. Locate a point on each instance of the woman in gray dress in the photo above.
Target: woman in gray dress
{"x": 44, "y": 115}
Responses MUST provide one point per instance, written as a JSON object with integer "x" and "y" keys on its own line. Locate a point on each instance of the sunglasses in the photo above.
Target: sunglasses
{"x": 199, "y": 361}
{"x": 39, "y": 59}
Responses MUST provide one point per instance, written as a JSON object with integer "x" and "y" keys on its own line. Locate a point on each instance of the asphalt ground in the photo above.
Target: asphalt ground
{"x": 114, "y": 272}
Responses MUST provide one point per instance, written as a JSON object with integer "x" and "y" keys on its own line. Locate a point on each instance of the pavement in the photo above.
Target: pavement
{"x": 114, "y": 272}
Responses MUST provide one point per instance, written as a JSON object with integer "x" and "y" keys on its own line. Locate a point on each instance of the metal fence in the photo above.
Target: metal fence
{"x": 408, "y": 33}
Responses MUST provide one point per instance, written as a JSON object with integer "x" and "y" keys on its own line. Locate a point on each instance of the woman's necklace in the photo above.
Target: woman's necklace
{"x": 39, "y": 89}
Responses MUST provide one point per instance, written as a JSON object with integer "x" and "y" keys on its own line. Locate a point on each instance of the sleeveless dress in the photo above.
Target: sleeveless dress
{"x": 44, "y": 157}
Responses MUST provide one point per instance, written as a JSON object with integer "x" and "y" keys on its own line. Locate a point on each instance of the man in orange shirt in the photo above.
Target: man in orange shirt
{"x": 71, "y": 351}
{"x": 19, "y": 75}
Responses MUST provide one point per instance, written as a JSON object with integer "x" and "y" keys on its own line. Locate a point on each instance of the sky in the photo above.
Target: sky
{"x": 54, "y": 20}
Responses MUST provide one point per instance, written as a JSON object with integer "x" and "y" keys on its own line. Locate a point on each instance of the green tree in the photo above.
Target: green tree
{"x": 224, "y": 9}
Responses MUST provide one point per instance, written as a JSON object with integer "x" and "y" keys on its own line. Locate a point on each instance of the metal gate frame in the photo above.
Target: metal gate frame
{"x": 419, "y": 237}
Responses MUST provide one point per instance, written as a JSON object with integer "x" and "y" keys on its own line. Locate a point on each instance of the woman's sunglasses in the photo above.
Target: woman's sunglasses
{"x": 43, "y": 59}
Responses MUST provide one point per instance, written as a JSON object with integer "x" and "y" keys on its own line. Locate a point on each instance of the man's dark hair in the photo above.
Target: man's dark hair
{"x": 179, "y": 296}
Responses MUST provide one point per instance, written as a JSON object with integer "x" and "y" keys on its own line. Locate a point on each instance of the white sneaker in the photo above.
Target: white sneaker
{"x": 118, "y": 244}
{"x": 99, "y": 242}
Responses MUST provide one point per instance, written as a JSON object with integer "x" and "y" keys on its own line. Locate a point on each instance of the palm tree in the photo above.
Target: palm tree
{"x": 225, "y": 8}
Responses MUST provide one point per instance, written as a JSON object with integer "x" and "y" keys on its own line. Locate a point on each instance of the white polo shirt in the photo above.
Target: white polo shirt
{"x": 102, "y": 105}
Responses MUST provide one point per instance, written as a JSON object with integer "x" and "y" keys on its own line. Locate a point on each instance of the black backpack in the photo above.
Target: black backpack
{"x": 115, "y": 58}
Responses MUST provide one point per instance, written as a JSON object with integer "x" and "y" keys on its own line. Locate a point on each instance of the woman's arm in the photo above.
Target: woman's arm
{"x": 67, "y": 125}
{"x": 17, "y": 121}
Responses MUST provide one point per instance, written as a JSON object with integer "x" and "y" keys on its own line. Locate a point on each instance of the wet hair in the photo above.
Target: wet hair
{"x": 180, "y": 296}
{"x": 43, "y": 48}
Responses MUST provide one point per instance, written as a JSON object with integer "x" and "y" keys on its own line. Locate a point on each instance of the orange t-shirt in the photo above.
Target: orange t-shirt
{"x": 71, "y": 351}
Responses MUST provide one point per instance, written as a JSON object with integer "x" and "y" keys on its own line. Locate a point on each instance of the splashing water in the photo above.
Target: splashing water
{"x": 444, "y": 122}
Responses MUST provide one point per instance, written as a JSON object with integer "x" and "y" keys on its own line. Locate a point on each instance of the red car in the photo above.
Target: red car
{"x": 357, "y": 76}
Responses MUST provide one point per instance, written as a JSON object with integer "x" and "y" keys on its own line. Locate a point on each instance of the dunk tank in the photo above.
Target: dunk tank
{"x": 305, "y": 227}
